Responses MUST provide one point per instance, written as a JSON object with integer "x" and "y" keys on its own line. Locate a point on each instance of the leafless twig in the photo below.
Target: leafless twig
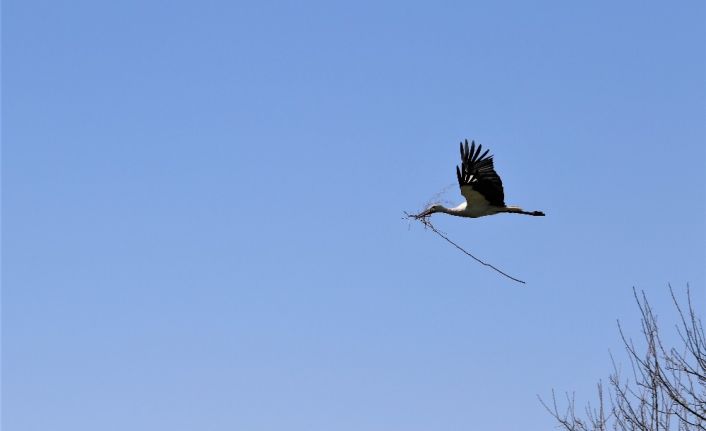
{"x": 666, "y": 389}
{"x": 424, "y": 219}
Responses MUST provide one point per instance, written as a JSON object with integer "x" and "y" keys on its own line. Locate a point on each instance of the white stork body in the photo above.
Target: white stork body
{"x": 480, "y": 185}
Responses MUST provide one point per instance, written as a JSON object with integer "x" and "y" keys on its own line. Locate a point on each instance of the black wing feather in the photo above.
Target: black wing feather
{"x": 477, "y": 171}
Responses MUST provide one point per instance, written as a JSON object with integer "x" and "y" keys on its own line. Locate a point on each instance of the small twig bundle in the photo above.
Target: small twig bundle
{"x": 423, "y": 218}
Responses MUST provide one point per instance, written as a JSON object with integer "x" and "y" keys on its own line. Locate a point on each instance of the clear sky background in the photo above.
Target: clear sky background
{"x": 202, "y": 207}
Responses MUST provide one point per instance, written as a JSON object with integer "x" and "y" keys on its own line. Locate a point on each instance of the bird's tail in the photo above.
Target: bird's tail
{"x": 518, "y": 210}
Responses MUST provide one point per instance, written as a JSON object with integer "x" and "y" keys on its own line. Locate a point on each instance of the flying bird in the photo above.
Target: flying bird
{"x": 480, "y": 185}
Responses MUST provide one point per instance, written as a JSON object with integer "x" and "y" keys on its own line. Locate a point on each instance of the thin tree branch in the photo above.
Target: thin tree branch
{"x": 427, "y": 223}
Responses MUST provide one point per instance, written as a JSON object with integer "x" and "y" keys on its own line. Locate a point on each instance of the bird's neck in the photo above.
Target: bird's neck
{"x": 453, "y": 211}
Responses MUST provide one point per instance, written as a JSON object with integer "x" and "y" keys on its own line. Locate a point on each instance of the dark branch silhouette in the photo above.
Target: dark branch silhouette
{"x": 667, "y": 389}
{"x": 424, "y": 219}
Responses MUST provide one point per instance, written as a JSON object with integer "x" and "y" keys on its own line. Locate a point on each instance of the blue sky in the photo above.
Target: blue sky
{"x": 202, "y": 207}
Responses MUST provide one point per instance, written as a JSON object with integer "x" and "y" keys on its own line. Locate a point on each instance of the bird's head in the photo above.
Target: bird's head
{"x": 424, "y": 215}
{"x": 431, "y": 210}
{"x": 434, "y": 209}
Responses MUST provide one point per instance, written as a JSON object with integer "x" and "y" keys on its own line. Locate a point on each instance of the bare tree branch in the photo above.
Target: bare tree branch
{"x": 424, "y": 219}
{"x": 667, "y": 390}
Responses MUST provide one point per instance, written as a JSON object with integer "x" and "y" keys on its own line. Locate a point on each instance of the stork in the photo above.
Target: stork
{"x": 480, "y": 185}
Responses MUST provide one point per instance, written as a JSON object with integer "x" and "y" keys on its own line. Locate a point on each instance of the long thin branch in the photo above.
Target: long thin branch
{"x": 425, "y": 221}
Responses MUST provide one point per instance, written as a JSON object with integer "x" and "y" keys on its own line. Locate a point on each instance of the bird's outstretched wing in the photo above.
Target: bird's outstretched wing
{"x": 477, "y": 177}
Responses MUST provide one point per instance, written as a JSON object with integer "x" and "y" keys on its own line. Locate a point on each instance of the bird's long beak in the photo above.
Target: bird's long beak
{"x": 424, "y": 214}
